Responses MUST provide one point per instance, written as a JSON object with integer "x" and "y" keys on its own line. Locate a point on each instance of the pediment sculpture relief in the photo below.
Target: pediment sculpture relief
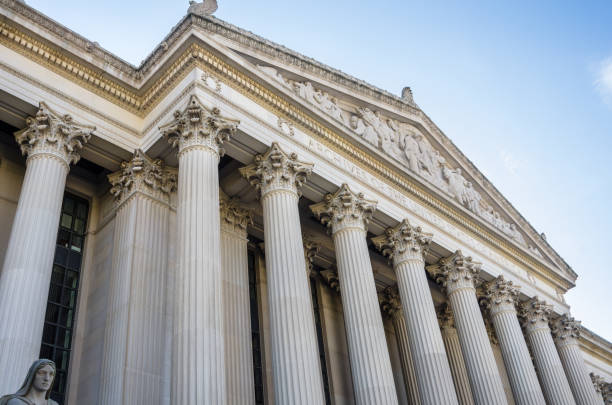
{"x": 407, "y": 146}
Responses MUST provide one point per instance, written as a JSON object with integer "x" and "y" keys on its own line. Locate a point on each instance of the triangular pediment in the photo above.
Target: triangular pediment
{"x": 389, "y": 127}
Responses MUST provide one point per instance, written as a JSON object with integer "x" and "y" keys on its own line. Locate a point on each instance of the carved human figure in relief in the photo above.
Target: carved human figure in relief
{"x": 456, "y": 183}
{"x": 36, "y": 388}
{"x": 305, "y": 91}
{"x": 411, "y": 150}
{"x": 390, "y": 142}
{"x": 329, "y": 105}
{"x": 366, "y": 132}
{"x": 472, "y": 198}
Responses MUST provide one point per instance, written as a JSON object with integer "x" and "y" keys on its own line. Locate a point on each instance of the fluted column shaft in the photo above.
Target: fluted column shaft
{"x": 406, "y": 245}
{"x": 25, "y": 277}
{"x": 347, "y": 213}
{"x": 51, "y": 142}
{"x": 296, "y": 369}
{"x": 428, "y": 353}
{"x": 484, "y": 376}
{"x": 457, "y": 365}
{"x": 198, "y": 363}
{"x": 198, "y": 356}
{"x": 295, "y": 357}
{"x": 403, "y": 343}
{"x": 133, "y": 355}
{"x": 566, "y": 332}
{"x": 521, "y": 373}
{"x": 236, "y": 306}
{"x": 134, "y": 337}
{"x": 545, "y": 356}
{"x": 370, "y": 362}
{"x": 457, "y": 273}
{"x": 501, "y": 298}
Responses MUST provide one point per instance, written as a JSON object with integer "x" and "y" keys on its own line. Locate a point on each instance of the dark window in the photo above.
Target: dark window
{"x": 317, "y": 316}
{"x": 255, "y": 333}
{"x": 61, "y": 303}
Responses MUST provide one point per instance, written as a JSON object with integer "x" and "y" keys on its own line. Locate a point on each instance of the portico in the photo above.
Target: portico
{"x": 206, "y": 171}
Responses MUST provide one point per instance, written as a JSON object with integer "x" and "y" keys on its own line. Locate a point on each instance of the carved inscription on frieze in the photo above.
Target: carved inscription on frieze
{"x": 404, "y": 144}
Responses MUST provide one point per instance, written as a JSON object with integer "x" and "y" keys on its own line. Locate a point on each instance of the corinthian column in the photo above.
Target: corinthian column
{"x": 501, "y": 298}
{"x": 134, "y": 337}
{"x": 599, "y": 384}
{"x": 457, "y": 274}
{"x": 534, "y": 314}
{"x": 391, "y": 305}
{"x": 51, "y": 142}
{"x": 406, "y": 245}
{"x": 347, "y": 214}
{"x": 198, "y": 371}
{"x": 236, "y": 303}
{"x": 455, "y": 356}
{"x": 566, "y": 331}
{"x": 295, "y": 356}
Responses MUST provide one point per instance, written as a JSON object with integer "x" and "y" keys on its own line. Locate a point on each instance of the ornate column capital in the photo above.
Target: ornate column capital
{"x": 311, "y": 249}
{"x": 344, "y": 209}
{"x": 277, "y": 170}
{"x": 456, "y": 272}
{"x": 565, "y": 330}
{"x": 534, "y": 314}
{"x": 598, "y": 382}
{"x": 331, "y": 279}
{"x": 390, "y": 303}
{"x": 49, "y": 133}
{"x": 233, "y": 216}
{"x": 143, "y": 175}
{"x": 197, "y": 127}
{"x": 445, "y": 316}
{"x": 403, "y": 242}
{"x": 500, "y": 295}
{"x": 490, "y": 328}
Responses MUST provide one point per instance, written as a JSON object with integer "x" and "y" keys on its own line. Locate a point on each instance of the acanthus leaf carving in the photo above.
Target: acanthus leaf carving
{"x": 277, "y": 170}
{"x": 445, "y": 316}
{"x": 344, "y": 209}
{"x": 145, "y": 175}
{"x": 331, "y": 279}
{"x": 233, "y": 215}
{"x": 598, "y": 382}
{"x": 403, "y": 242}
{"x": 311, "y": 248}
{"x": 500, "y": 294}
{"x": 53, "y": 134}
{"x": 565, "y": 329}
{"x": 534, "y": 313}
{"x": 456, "y": 272}
{"x": 390, "y": 302}
{"x": 198, "y": 127}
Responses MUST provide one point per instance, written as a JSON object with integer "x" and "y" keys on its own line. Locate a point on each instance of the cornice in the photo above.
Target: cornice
{"x": 136, "y": 75}
{"x": 595, "y": 345}
{"x": 141, "y": 102}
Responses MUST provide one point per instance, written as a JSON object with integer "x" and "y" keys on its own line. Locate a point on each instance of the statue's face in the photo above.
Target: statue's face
{"x": 43, "y": 378}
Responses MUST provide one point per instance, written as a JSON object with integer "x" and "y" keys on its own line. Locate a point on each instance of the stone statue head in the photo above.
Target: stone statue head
{"x": 40, "y": 377}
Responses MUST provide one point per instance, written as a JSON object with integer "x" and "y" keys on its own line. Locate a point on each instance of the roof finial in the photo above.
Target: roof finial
{"x": 206, "y": 7}
{"x": 407, "y": 94}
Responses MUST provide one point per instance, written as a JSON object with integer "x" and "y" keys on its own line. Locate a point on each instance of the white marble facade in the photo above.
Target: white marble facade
{"x": 263, "y": 228}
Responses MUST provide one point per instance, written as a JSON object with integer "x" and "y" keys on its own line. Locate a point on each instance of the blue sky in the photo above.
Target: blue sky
{"x": 523, "y": 88}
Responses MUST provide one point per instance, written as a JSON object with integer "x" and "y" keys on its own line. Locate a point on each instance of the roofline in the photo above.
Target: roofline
{"x": 138, "y": 76}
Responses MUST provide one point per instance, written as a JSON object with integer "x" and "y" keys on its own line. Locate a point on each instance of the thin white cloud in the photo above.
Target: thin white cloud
{"x": 603, "y": 83}
{"x": 511, "y": 163}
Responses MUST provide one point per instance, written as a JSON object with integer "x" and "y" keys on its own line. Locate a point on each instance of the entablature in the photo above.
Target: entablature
{"x": 185, "y": 50}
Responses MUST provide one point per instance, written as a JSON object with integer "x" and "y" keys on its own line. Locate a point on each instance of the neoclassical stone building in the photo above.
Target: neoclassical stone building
{"x": 234, "y": 223}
